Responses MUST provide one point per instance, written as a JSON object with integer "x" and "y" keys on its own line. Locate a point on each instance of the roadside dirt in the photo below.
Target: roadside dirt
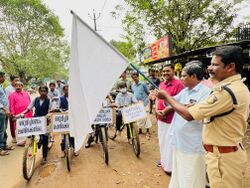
{"x": 89, "y": 169}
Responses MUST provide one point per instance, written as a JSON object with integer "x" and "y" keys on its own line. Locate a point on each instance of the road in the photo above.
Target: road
{"x": 88, "y": 169}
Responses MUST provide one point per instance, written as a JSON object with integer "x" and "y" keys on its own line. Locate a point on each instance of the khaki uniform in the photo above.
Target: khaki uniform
{"x": 225, "y": 169}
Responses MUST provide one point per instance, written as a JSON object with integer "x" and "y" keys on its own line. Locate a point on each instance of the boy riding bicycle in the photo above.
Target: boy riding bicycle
{"x": 108, "y": 102}
{"x": 42, "y": 106}
{"x": 63, "y": 104}
{"x": 123, "y": 99}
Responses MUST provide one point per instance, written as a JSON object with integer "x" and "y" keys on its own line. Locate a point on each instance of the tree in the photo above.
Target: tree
{"x": 191, "y": 24}
{"x": 31, "y": 44}
{"x": 126, "y": 48}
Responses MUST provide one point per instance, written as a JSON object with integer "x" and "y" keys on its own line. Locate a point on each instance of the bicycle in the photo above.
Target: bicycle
{"x": 29, "y": 155}
{"x": 67, "y": 144}
{"x": 50, "y": 134}
{"x": 68, "y": 150}
{"x": 100, "y": 133}
{"x": 132, "y": 135}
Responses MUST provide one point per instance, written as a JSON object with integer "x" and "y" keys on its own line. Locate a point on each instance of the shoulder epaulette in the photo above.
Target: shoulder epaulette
{"x": 235, "y": 103}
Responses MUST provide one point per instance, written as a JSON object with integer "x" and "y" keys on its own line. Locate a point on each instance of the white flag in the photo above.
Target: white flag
{"x": 94, "y": 67}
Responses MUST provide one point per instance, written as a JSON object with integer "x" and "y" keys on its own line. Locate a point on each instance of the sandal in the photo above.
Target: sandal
{"x": 8, "y": 147}
{"x": 4, "y": 152}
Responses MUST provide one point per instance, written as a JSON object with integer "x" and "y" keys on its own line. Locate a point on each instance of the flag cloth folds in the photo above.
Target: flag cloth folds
{"x": 94, "y": 67}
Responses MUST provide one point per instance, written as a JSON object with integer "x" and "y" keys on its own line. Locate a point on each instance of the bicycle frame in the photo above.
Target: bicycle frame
{"x": 34, "y": 145}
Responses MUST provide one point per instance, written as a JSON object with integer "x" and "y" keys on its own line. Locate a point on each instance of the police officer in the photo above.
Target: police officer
{"x": 224, "y": 114}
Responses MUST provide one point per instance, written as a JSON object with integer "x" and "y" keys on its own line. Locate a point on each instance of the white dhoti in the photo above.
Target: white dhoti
{"x": 188, "y": 170}
{"x": 145, "y": 123}
{"x": 165, "y": 146}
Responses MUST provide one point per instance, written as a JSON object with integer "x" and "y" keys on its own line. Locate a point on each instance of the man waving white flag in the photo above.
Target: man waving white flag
{"x": 94, "y": 67}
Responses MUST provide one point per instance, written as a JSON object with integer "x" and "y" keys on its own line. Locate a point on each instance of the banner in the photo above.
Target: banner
{"x": 158, "y": 50}
{"x": 31, "y": 126}
{"x": 133, "y": 113}
{"x": 94, "y": 68}
{"x": 60, "y": 122}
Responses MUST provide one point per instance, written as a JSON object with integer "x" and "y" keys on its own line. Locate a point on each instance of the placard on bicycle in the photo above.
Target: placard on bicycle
{"x": 60, "y": 122}
{"x": 105, "y": 116}
{"x": 133, "y": 113}
{"x": 31, "y": 126}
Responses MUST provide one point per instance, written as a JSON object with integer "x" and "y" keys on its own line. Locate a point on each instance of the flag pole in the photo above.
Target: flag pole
{"x": 144, "y": 76}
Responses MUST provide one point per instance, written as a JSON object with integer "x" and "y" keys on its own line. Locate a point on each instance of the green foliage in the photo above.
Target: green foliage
{"x": 192, "y": 24}
{"x": 126, "y": 48}
{"x": 31, "y": 44}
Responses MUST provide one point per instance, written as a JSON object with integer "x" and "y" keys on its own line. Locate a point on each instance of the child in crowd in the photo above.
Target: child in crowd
{"x": 42, "y": 106}
{"x": 108, "y": 102}
{"x": 63, "y": 105}
{"x": 53, "y": 95}
{"x": 123, "y": 99}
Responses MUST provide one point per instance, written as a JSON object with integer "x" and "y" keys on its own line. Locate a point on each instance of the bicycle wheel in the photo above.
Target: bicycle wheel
{"x": 103, "y": 140}
{"x": 29, "y": 158}
{"x": 51, "y": 141}
{"x": 135, "y": 140}
{"x": 68, "y": 155}
{"x": 112, "y": 131}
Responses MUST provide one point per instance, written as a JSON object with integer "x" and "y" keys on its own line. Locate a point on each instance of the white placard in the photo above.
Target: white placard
{"x": 133, "y": 113}
{"x": 104, "y": 116}
{"x": 30, "y": 126}
{"x": 60, "y": 122}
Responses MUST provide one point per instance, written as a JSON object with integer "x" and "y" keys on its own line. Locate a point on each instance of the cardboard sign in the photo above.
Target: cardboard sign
{"x": 31, "y": 126}
{"x": 133, "y": 113}
{"x": 60, "y": 122}
{"x": 104, "y": 116}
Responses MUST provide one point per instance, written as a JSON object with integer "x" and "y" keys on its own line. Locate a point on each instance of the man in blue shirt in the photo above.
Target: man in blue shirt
{"x": 141, "y": 93}
{"x": 186, "y": 136}
{"x": 4, "y": 114}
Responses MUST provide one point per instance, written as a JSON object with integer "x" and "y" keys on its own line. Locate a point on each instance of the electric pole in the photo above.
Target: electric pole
{"x": 94, "y": 18}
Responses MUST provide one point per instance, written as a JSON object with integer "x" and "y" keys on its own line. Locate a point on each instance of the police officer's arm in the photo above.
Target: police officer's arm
{"x": 217, "y": 103}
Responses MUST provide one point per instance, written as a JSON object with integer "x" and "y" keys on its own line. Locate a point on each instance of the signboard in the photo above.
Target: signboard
{"x": 133, "y": 113}
{"x": 31, "y": 126}
{"x": 158, "y": 50}
{"x": 60, "y": 122}
{"x": 104, "y": 116}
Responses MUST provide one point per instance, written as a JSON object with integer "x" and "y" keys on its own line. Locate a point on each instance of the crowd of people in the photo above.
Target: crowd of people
{"x": 201, "y": 123}
{"x": 16, "y": 103}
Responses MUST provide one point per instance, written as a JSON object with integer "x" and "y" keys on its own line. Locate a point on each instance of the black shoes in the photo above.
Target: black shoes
{"x": 90, "y": 140}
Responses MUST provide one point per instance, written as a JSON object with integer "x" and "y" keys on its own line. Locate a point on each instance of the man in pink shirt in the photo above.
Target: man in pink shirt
{"x": 19, "y": 100}
{"x": 164, "y": 116}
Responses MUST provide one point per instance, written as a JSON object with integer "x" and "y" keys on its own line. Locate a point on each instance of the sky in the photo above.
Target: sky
{"x": 107, "y": 26}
